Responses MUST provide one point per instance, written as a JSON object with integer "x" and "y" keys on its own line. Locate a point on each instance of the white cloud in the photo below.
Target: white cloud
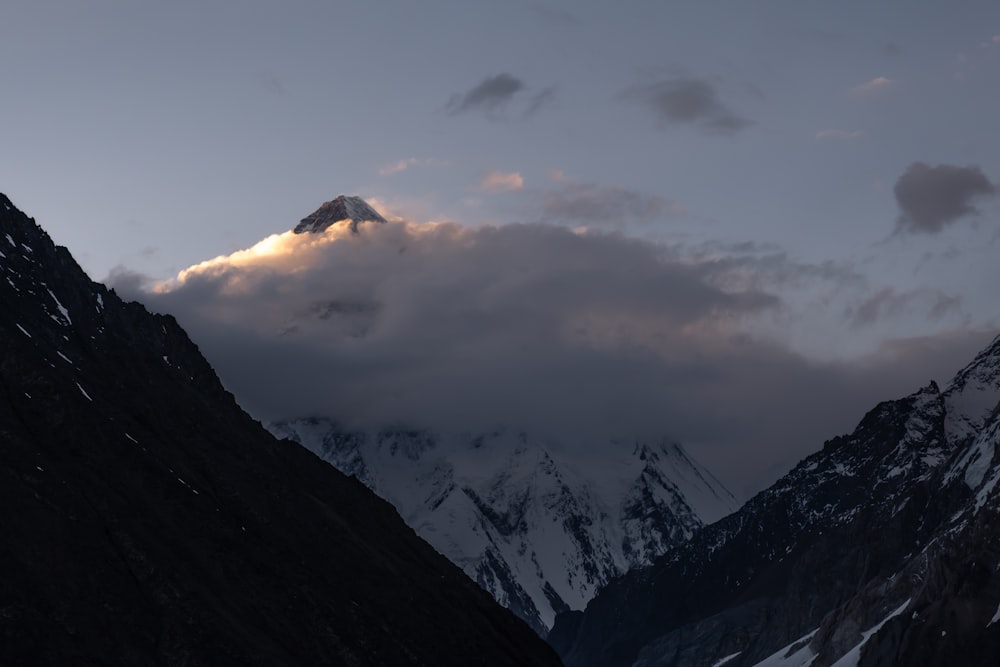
{"x": 501, "y": 181}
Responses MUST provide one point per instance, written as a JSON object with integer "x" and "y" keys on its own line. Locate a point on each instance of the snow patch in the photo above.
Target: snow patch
{"x": 996, "y": 617}
{"x": 84, "y": 392}
{"x": 787, "y": 657}
{"x": 728, "y": 658}
{"x": 852, "y": 657}
{"x": 62, "y": 308}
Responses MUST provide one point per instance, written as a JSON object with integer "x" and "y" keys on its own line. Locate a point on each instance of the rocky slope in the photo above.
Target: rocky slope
{"x": 147, "y": 520}
{"x": 881, "y": 549}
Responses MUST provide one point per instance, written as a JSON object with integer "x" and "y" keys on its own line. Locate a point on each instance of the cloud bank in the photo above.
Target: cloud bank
{"x": 580, "y": 337}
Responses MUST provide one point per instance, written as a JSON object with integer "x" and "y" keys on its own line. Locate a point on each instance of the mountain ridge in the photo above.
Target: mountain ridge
{"x": 147, "y": 519}
{"x": 829, "y": 550}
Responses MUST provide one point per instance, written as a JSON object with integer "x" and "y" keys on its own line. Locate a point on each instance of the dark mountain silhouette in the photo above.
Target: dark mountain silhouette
{"x": 146, "y": 519}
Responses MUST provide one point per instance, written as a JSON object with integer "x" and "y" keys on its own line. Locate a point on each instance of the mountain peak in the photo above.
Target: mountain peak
{"x": 344, "y": 207}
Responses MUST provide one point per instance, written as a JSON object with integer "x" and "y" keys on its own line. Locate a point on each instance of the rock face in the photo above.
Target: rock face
{"x": 881, "y": 549}
{"x": 147, "y": 520}
{"x": 541, "y": 526}
{"x": 354, "y": 209}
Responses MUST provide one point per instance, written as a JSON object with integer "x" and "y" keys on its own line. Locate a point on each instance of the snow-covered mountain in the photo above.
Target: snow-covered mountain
{"x": 881, "y": 549}
{"x": 538, "y": 524}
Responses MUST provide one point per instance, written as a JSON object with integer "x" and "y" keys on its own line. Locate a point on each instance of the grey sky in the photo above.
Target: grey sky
{"x": 779, "y": 140}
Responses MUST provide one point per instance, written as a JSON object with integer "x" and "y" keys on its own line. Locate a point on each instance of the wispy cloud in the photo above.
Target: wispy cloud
{"x": 406, "y": 163}
{"x": 494, "y": 95}
{"x": 501, "y": 181}
{"x": 601, "y": 205}
{"x": 491, "y": 94}
{"x": 689, "y": 101}
{"x": 540, "y": 99}
{"x": 876, "y": 85}
{"x": 839, "y": 134}
{"x": 890, "y": 303}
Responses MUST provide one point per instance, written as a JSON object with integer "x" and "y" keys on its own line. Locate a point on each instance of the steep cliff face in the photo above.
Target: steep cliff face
{"x": 868, "y": 552}
{"x": 148, "y": 520}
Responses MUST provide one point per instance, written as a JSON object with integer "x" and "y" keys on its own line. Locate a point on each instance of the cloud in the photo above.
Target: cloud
{"x": 501, "y": 181}
{"x": 539, "y": 100}
{"x": 601, "y": 205}
{"x": 576, "y": 336}
{"x": 490, "y": 95}
{"x": 930, "y": 198}
{"x": 839, "y": 134}
{"x": 878, "y": 84}
{"x": 404, "y": 164}
{"x": 890, "y": 303}
{"x": 689, "y": 101}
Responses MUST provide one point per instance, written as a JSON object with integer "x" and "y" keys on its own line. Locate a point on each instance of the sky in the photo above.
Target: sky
{"x": 735, "y": 224}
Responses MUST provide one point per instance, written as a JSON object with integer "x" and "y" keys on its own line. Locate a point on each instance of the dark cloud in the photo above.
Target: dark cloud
{"x": 539, "y": 100}
{"x": 580, "y": 337}
{"x": 689, "y": 101}
{"x": 891, "y": 49}
{"x": 930, "y": 198}
{"x": 890, "y": 303}
{"x": 590, "y": 204}
{"x": 490, "y": 95}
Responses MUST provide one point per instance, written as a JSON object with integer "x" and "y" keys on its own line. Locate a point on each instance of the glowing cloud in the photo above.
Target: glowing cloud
{"x": 404, "y": 164}
{"x": 578, "y": 335}
{"x": 501, "y": 181}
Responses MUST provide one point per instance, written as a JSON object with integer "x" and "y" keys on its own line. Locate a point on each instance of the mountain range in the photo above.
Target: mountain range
{"x": 538, "y": 522}
{"x": 883, "y": 548}
{"x": 540, "y": 525}
{"x": 147, "y": 519}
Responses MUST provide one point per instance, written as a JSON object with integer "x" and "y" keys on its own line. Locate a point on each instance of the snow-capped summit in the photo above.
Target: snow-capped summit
{"x": 343, "y": 207}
